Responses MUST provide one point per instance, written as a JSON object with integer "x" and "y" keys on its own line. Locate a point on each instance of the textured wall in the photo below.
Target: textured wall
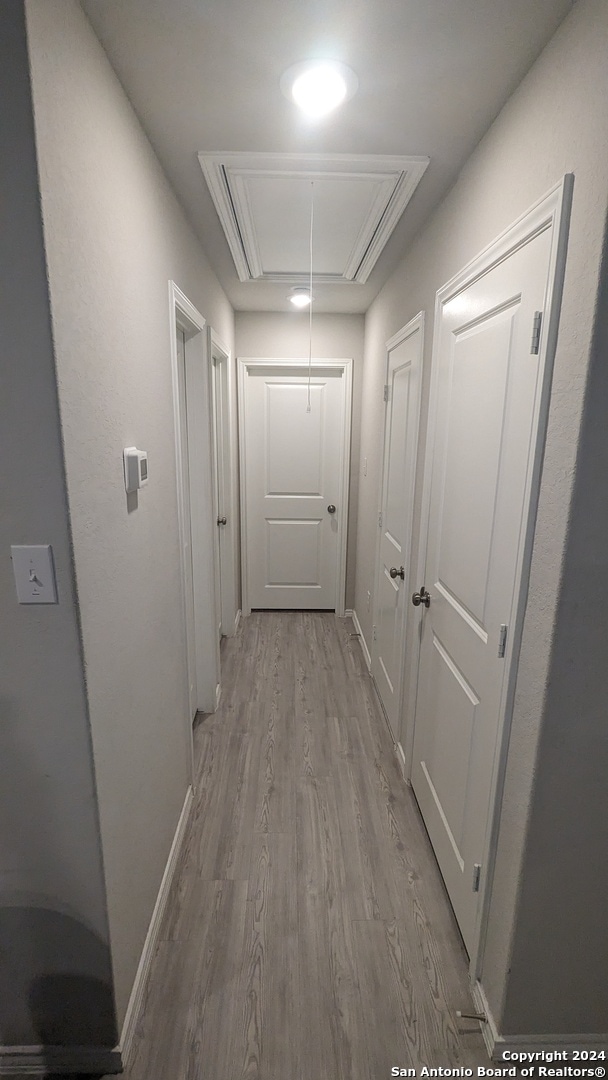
{"x": 271, "y": 334}
{"x": 556, "y": 122}
{"x": 115, "y": 235}
{"x": 53, "y": 926}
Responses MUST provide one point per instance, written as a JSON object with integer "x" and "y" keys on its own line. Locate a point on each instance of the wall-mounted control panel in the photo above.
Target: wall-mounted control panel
{"x": 136, "y": 468}
{"x": 34, "y": 573}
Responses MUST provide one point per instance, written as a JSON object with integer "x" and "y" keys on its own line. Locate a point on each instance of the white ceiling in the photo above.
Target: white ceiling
{"x": 203, "y": 76}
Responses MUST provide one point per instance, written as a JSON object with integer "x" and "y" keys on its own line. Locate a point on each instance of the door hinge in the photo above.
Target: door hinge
{"x": 536, "y": 325}
{"x": 476, "y": 876}
{"x": 374, "y": 636}
{"x": 502, "y": 639}
{"x": 386, "y": 392}
{"x": 380, "y": 520}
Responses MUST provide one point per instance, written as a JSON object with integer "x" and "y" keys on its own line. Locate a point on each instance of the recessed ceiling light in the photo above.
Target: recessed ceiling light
{"x": 299, "y": 296}
{"x": 318, "y": 87}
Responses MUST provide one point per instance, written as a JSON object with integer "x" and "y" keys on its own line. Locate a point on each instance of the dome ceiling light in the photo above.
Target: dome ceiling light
{"x": 299, "y": 296}
{"x": 319, "y": 86}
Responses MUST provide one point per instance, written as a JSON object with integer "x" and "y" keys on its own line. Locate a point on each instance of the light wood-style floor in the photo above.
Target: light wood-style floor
{"x": 308, "y": 935}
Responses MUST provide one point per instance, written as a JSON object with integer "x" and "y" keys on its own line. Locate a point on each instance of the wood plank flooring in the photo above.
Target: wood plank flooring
{"x": 308, "y": 935}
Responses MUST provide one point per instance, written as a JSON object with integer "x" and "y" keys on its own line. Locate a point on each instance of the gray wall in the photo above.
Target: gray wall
{"x": 53, "y": 925}
{"x": 556, "y": 122}
{"x": 115, "y": 235}
{"x": 278, "y": 335}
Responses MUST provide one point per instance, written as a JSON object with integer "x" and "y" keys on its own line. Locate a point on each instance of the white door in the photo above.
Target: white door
{"x": 186, "y": 530}
{"x": 293, "y": 467}
{"x": 395, "y": 520}
{"x": 219, "y": 500}
{"x": 488, "y": 387}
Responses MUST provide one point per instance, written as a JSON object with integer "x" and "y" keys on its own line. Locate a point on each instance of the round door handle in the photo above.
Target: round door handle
{"x": 221, "y": 521}
{"x": 394, "y": 572}
{"x": 331, "y": 509}
{"x": 422, "y": 597}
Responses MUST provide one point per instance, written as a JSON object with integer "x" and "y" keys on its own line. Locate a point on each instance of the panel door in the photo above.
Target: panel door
{"x": 219, "y": 501}
{"x": 293, "y": 462}
{"x": 486, "y": 407}
{"x": 395, "y": 523}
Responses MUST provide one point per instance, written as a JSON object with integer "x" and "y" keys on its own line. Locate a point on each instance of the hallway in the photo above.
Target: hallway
{"x": 307, "y": 935}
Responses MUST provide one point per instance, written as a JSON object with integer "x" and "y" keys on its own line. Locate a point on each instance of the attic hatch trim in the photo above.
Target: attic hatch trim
{"x": 227, "y": 175}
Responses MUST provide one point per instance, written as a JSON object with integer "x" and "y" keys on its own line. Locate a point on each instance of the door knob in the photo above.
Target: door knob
{"x": 221, "y": 521}
{"x": 331, "y": 509}
{"x": 422, "y": 597}
{"x": 394, "y": 572}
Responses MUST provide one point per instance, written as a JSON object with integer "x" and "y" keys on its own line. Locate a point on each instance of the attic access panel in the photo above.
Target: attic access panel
{"x": 263, "y": 202}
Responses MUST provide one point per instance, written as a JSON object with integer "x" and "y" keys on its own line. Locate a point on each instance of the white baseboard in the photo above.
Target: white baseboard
{"x": 368, "y": 660}
{"x": 400, "y": 752}
{"x": 137, "y": 993}
{"x": 59, "y": 1060}
{"x": 488, "y": 1029}
{"x": 232, "y": 631}
{"x": 366, "y": 652}
{"x": 498, "y": 1044}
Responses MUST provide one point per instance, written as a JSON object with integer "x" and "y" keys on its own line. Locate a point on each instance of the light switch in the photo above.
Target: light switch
{"x": 34, "y": 573}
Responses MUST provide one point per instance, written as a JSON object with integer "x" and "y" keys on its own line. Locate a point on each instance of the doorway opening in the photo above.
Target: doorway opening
{"x": 494, "y": 340}
{"x": 402, "y": 395}
{"x": 294, "y": 434}
{"x": 192, "y": 415}
{"x": 225, "y": 495}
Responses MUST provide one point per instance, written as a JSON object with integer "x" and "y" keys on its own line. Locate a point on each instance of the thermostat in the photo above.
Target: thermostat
{"x": 136, "y": 468}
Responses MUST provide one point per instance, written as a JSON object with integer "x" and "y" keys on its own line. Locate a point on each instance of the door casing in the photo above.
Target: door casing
{"x": 552, "y": 211}
{"x": 247, "y": 364}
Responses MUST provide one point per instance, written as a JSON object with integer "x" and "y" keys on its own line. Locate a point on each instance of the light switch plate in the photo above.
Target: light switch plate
{"x": 34, "y": 573}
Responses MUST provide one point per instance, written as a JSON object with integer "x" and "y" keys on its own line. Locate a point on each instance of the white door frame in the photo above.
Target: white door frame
{"x": 198, "y": 421}
{"x": 245, "y": 364}
{"x": 415, "y": 324}
{"x": 227, "y": 535}
{"x": 552, "y": 211}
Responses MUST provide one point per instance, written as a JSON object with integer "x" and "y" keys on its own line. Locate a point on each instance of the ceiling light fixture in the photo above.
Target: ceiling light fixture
{"x": 318, "y": 87}
{"x": 299, "y": 296}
